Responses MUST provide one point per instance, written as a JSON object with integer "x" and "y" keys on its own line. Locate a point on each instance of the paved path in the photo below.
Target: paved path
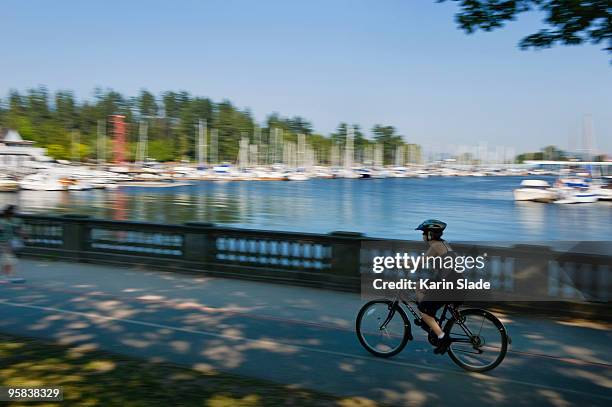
{"x": 294, "y": 335}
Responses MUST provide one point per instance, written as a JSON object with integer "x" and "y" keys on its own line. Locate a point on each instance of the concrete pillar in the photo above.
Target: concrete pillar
{"x": 531, "y": 272}
{"x": 199, "y": 245}
{"x": 346, "y": 253}
{"x": 76, "y": 235}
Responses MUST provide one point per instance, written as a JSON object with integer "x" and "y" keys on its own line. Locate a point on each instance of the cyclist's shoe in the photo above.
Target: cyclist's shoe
{"x": 443, "y": 345}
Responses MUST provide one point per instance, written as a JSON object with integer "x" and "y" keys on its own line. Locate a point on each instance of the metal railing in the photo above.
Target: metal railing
{"x": 325, "y": 260}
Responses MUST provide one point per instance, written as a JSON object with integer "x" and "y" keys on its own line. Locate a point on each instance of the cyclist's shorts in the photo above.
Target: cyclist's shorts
{"x": 430, "y": 307}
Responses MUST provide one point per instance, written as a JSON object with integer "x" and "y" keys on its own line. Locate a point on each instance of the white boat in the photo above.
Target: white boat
{"x": 381, "y": 173}
{"x": 603, "y": 194}
{"x": 8, "y": 185}
{"x": 535, "y": 190}
{"x": 243, "y": 175}
{"x": 154, "y": 184}
{"x": 222, "y": 169}
{"x": 364, "y": 173}
{"x": 398, "y": 172}
{"x": 109, "y": 185}
{"x": 323, "y": 174}
{"x": 602, "y": 190}
{"x": 42, "y": 182}
{"x": 78, "y": 185}
{"x": 296, "y": 176}
{"x": 449, "y": 172}
{"x": 573, "y": 191}
{"x": 268, "y": 175}
{"x": 148, "y": 177}
{"x": 184, "y": 170}
{"x": 574, "y": 196}
{"x": 344, "y": 173}
{"x": 121, "y": 169}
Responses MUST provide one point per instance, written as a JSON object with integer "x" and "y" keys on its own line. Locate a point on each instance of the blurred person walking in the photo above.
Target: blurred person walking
{"x": 10, "y": 242}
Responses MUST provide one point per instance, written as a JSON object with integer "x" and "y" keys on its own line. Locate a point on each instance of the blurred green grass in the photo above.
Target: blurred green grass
{"x": 93, "y": 378}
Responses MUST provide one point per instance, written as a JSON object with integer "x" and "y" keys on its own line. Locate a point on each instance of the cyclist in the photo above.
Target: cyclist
{"x": 10, "y": 233}
{"x": 432, "y": 234}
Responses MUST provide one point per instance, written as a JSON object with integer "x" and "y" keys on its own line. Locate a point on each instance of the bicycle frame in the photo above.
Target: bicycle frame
{"x": 448, "y": 307}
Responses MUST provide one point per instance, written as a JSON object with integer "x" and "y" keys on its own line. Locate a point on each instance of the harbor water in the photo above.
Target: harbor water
{"x": 475, "y": 208}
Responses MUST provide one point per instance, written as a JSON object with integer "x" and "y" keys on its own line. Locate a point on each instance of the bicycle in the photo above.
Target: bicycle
{"x": 384, "y": 334}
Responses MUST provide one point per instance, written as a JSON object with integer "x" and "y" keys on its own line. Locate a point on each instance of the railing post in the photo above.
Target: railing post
{"x": 200, "y": 245}
{"x": 75, "y": 235}
{"x": 345, "y": 253}
{"x": 530, "y": 277}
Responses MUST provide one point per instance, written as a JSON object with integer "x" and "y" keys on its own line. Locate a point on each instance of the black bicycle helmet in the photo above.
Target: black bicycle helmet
{"x": 433, "y": 225}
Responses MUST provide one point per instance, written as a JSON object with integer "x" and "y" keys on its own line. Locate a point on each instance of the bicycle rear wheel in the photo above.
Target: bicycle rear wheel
{"x": 479, "y": 340}
{"x": 383, "y": 328}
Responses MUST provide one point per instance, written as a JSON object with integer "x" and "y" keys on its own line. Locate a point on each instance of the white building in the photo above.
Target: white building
{"x": 16, "y": 152}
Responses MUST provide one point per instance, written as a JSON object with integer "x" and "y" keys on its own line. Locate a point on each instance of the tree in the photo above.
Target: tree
{"x": 321, "y": 146}
{"x": 88, "y": 115}
{"x": 110, "y": 102}
{"x": 190, "y": 113}
{"x": 57, "y": 151}
{"x": 161, "y": 150}
{"x": 37, "y": 102}
{"x": 275, "y": 121}
{"x": 65, "y": 109}
{"x": 22, "y": 124}
{"x": 299, "y": 125}
{"x": 81, "y": 150}
{"x": 16, "y": 102}
{"x": 146, "y": 104}
{"x": 360, "y": 141}
{"x": 570, "y": 22}
{"x": 174, "y": 102}
{"x": 232, "y": 125}
{"x": 54, "y": 124}
{"x": 339, "y": 136}
{"x": 389, "y": 139}
{"x": 553, "y": 153}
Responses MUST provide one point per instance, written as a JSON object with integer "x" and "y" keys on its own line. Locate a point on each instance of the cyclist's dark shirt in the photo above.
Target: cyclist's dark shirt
{"x": 438, "y": 248}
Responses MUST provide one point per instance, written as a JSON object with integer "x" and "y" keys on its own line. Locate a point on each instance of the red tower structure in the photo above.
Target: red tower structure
{"x": 119, "y": 142}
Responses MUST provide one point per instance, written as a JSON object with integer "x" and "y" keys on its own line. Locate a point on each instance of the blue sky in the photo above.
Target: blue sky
{"x": 396, "y": 62}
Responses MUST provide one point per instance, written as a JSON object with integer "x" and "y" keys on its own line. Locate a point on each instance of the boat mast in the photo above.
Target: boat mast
{"x": 141, "y": 149}
{"x": 243, "y": 152}
{"x": 349, "y": 149}
{"x": 214, "y": 152}
{"x": 301, "y": 150}
{"x": 257, "y": 138}
{"x": 587, "y": 137}
{"x": 75, "y": 146}
{"x": 202, "y": 129}
{"x": 101, "y": 142}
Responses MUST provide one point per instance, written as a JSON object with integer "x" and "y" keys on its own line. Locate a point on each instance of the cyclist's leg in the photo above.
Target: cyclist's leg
{"x": 428, "y": 310}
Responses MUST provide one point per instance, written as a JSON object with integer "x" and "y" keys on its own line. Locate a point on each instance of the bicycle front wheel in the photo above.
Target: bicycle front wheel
{"x": 479, "y": 340}
{"x": 383, "y": 328}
